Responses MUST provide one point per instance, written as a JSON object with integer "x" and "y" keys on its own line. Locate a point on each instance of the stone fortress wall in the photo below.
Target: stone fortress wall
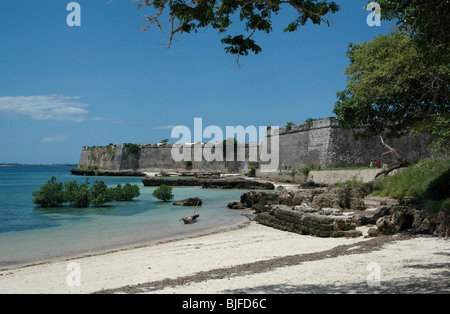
{"x": 322, "y": 144}
{"x": 151, "y": 158}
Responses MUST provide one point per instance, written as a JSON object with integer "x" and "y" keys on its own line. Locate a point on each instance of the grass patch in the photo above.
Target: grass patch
{"x": 345, "y": 168}
{"x": 353, "y": 183}
{"x": 428, "y": 182}
{"x": 438, "y": 206}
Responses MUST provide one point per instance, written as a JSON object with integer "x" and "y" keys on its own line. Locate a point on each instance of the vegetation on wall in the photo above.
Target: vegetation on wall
{"x": 289, "y": 126}
{"x": 132, "y": 148}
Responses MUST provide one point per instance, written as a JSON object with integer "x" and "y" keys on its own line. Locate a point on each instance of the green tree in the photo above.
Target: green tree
{"x": 192, "y": 16}
{"x": 426, "y": 21}
{"x": 311, "y": 120}
{"x": 163, "y": 193}
{"x": 54, "y": 193}
{"x": 289, "y": 126}
{"x": 99, "y": 193}
{"x": 77, "y": 194}
{"x": 126, "y": 192}
{"x": 188, "y": 164}
{"x": 389, "y": 90}
{"x": 51, "y": 194}
{"x": 252, "y": 172}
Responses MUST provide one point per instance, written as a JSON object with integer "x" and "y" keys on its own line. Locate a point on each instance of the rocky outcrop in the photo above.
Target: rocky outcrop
{"x": 306, "y": 220}
{"x": 370, "y": 217}
{"x": 216, "y": 183}
{"x": 333, "y": 212}
{"x": 236, "y": 205}
{"x": 344, "y": 197}
{"x": 114, "y": 173}
{"x": 412, "y": 219}
{"x": 289, "y": 211}
{"x": 401, "y": 218}
{"x": 192, "y": 201}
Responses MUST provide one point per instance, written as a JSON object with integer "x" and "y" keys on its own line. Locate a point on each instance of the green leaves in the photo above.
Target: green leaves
{"x": 238, "y": 45}
{"x": 392, "y": 88}
{"x": 190, "y": 16}
{"x": 163, "y": 193}
{"x": 53, "y": 193}
{"x": 77, "y": 194}
{"x": 126, "y": 192}
{"x": 99, "y": 194}
{"x": 425, "y": 20}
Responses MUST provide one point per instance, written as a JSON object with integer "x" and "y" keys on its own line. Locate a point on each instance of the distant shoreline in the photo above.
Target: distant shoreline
{"x": 40, "y": 165}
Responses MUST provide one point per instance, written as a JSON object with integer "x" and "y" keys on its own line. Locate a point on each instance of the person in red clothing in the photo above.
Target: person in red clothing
{"x": 379, "y": 163}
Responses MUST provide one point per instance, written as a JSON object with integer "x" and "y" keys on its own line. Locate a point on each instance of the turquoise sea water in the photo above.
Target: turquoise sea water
{"x": 30, "y": 234}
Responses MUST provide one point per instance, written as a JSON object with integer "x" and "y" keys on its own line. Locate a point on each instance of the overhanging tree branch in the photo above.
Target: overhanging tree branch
{"x": 256, "y": 14}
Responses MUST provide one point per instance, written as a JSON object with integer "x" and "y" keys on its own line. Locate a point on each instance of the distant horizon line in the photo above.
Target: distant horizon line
{"x": 37, "y": 164}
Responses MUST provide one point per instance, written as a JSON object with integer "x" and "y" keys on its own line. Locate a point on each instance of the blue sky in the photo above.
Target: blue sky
{"x": 107, "y": 81}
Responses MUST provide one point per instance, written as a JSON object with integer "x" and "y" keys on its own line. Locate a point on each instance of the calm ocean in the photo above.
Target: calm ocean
{"x": 31, "y": 234}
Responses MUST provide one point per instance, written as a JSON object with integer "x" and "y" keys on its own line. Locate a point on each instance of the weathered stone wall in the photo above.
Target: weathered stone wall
{"x": 345, "y": 150}
{"x": 305, "y": 144}
{"x": 149, "y": 157}
{"x": 335, "y": 176}
{"x": 108, "y": 157}
{"x": 323, "y": 143}
{"x": 320, "y": 144}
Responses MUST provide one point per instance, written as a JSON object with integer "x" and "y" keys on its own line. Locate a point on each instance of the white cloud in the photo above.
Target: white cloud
{"x": 164, "y": 127}
{"x": 55, "y": 139}
{"x": 45, "y": 107}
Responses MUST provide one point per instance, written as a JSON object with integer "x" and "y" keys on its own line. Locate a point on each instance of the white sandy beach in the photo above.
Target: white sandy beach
{"x": 420, "y": 264}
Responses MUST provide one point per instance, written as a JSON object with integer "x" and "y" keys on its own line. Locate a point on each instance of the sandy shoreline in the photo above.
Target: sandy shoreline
{"x": 253, "y": 259}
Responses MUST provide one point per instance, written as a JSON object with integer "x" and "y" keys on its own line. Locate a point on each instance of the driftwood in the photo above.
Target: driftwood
{"x": 401, "y": 161}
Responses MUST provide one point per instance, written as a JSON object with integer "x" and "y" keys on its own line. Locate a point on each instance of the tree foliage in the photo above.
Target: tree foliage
{"x": 164, "y": 193}
{"x": 427, "y": 23}
{"x": 77, "y": 194}
{"x": 133, "y": 148}
{"x": 252, "y": 172}
{"x": 383, "y": 77}
{"x": 99, "y": 193}
{"x": 53, "y": 193}
{"x": 392, "y": 87}
{"x": 126, "y": 192}
{"x": 192, "y": 16}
